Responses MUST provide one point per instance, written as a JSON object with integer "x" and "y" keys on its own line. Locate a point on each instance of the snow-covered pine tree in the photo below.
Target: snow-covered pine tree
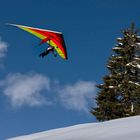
{"x": 119, "y": 95}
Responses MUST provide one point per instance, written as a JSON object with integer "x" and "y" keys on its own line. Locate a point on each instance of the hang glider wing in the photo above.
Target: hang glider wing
{"x": 55, "y": 39}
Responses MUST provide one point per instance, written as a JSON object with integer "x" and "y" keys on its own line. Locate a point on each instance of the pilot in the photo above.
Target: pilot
{"x": 47, "y": 51}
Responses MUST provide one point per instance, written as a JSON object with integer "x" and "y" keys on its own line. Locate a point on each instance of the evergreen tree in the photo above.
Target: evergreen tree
{"x": 119, "y": 95}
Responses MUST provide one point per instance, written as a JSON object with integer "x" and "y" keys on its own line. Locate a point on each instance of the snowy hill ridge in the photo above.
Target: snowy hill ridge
{"x": 120, "y": 129}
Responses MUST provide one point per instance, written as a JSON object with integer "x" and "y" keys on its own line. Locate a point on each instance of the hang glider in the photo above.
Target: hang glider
{"x": 53, "y": 38}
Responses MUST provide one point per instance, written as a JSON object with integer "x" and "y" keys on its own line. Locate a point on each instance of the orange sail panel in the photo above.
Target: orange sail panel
{"x": 55, "y": 39}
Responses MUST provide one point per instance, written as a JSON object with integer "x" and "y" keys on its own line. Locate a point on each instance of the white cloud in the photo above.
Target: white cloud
{"x": 3, "y": 48}
{"x": 26, "y": 89}
{"x": 78, "y": 95}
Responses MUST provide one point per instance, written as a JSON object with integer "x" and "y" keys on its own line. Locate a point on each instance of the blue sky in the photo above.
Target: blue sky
{"x": 41, "y": 94}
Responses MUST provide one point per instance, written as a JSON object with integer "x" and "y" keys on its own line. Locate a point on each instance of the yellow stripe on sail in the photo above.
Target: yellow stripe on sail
{"x": 59, "y": 51}
{"x": 32, "y": 32}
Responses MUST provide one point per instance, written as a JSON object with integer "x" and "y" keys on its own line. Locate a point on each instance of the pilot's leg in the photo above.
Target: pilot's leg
{"x": 44, "y": 53}
{"x": 54, "y": 53}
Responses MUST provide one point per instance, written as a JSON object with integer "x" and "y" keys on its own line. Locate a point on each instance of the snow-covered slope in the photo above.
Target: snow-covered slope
{"x": 120, "y": 129}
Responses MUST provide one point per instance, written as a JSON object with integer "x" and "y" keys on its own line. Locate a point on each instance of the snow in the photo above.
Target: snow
{"x": 138, "y": 43}
{"x": 136, "y": 83}
{"x": 119, "y": 129}
{"x": 117, "y": 48}
{"x": 136, "y": 58}
{"x": 119, "y": 38}
{"x": 133, "y": 65}
{"x": 120, "y": 43}
{"x": 111, "y": 86}
{"x": 138, "y": 66}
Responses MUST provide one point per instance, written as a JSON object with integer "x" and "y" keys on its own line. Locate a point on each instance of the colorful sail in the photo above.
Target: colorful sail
{"x": 55, "y": 39}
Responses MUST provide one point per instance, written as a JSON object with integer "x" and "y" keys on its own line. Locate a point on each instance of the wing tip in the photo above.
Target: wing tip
{"x": 11, "y": 24}
{"x": 7, "y": 23}
{"x": 66, "y": 58}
